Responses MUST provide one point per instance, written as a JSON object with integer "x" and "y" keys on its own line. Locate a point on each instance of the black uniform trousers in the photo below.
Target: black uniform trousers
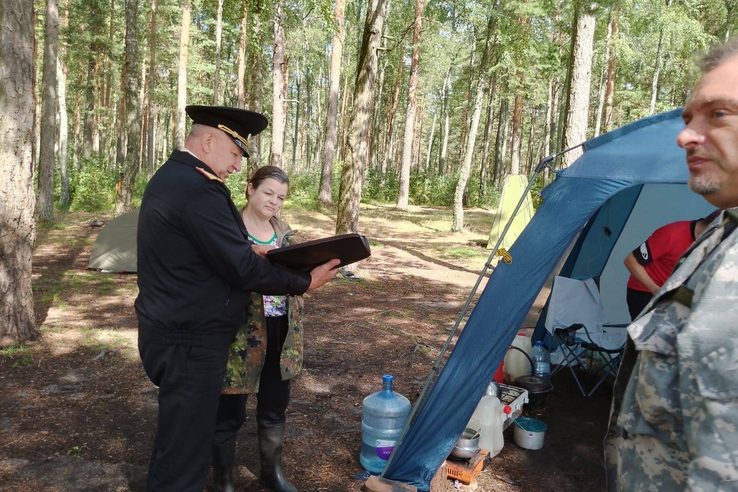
{"x": 273, "y": 396}
{"x": 637, "y": 301}
{"x": 190, "y": 379}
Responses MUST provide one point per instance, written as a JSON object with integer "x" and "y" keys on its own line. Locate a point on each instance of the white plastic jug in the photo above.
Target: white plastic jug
{"x": 487, "y": 418}
{"x": 517, "y": 364}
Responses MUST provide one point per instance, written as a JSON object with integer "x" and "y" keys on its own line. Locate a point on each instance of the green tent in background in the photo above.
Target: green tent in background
{"x": 115, "y": 247}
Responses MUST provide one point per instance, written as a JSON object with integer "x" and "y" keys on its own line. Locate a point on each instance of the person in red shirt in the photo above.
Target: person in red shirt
{"x": 653, "y": 261}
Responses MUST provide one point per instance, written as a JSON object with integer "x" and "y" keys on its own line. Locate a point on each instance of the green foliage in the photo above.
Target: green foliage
{"x": 303, "y": 191}
{"x": 92, "y": 188}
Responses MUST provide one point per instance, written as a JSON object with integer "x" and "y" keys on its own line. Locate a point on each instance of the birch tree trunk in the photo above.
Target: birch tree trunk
{"x": 240, "y": 78}
{"x": 151, "y": 111}
{"x": 347, "y": 219}
{"x": 580, "y": 75}
{"x": 430, "y": 142}
{"x": 458, "y": 220}
{"x": 407, "y": 149}
{"x": 124, "y": 190}
{"x": 17, "y": 200}
{"x": 184, "y": 47}
{"x": 657, "y": 69}
{"x": 278, "y": 89}
{"x": 47, "y": 164}
{"x": 218, "y": 43}
{"x": 331, "y": 121}
{"x": 446, "y": 123}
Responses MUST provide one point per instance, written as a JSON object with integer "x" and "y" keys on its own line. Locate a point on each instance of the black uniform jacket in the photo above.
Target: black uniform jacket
{"x": 195, "y": 263}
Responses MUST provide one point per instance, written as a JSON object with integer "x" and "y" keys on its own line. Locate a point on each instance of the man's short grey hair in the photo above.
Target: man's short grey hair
{"x": 718, "y": 54}
{"x": 196, "y": 130}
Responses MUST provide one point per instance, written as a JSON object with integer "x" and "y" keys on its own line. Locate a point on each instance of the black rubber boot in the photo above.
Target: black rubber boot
{"x": 271, "y": 442}
{"x": 224, "y": 456}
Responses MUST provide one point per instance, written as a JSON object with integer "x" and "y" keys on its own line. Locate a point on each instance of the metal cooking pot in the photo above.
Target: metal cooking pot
{"x": 538, "y": 389}
{"x": 467, "y": 445}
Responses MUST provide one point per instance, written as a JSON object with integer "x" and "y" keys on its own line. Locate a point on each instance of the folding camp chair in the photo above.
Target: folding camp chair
{"x": 575, "y": 349}
{"x": 577, "y": 322}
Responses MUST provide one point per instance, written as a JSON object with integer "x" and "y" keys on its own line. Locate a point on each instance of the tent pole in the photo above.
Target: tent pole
{"x": 546, "y": 161}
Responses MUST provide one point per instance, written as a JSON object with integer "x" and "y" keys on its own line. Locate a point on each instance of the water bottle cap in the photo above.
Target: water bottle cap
{"x": 387, "y": 378}
{"x": 539, "y": 343}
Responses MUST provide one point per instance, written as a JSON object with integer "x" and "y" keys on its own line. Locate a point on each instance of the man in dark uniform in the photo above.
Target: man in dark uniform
{"x": 195, "y": 265}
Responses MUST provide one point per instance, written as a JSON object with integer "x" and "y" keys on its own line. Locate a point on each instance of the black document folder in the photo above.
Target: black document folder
{"x": 349, "y": 248}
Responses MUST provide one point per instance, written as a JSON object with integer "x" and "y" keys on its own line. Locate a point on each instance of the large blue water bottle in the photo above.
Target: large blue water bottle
{"x": 385, "y": 415}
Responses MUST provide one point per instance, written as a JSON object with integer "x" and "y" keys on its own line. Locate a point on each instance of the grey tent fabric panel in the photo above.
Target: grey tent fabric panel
{"x": 115, "y": 247}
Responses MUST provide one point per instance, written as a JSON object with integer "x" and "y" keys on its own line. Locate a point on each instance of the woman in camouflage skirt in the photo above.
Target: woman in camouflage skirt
{"x": 267, "y": 352}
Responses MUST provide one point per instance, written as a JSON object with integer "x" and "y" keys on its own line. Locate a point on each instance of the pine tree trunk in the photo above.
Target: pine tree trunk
{"x": 580, "y": 70}
{"x": 218, "y": 42}
{"x": 17, "y": 200}
{"x": 88, "y": 126}
{"x": 517, "y": 125}
{"x": 465, "y": 172}
{"x": 257, "y": 87}
{"x": 278, "y": 90}
{"x": 120, "y": 155}
{"x": 602, "y": 86}
{"x": 184, "y": 46}
{"x": 63, "y": 133}
{"x": 611, "y": 64}
{"x": 487, "y": 132}
{"x": 347, "y": 219}
{"x": 407, "y": 149}
{"x": 331, "y": 126}
{"x": 151, "y": 112}
{"x": 241, "y": 82}
{"x": 391, "y": 121}
{"x": 47, "y": 164}
{"x": 501, "y": 141}
{"x": 124, "y": 191}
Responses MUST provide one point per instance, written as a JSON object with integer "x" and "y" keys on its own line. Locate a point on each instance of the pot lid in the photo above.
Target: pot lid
{"x": 533, "y": 384}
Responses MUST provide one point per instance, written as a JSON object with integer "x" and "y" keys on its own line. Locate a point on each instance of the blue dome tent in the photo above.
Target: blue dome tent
{"x": 627, "y": 183}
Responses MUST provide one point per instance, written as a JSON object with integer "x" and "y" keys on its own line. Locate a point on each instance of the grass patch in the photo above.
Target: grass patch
{"x": 19, "y": 354}
{"x": 97, "y": 339}
{"x": 50, "y": 225}
{"x": 461, "y": 253}
{"x": 105, "y": 290}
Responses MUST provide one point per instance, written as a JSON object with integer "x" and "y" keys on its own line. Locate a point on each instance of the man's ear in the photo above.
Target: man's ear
{"x": 208, "y": 141}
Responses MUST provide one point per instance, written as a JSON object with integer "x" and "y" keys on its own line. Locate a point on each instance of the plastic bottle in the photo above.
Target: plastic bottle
{"x": 541, "y": 361}
{"x": 487, "y": 418}
{"x": 515, "y": 363}
{"x": 385, "y": 415}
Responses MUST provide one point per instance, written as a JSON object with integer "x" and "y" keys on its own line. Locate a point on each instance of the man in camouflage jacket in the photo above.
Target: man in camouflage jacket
{"x": 674, "y": 420}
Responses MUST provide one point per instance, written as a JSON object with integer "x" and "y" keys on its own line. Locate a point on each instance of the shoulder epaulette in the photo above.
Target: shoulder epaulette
{"x": 211, "y": 177}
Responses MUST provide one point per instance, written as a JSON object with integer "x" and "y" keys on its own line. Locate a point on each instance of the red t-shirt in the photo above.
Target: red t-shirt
{"x": 660, "y": 252}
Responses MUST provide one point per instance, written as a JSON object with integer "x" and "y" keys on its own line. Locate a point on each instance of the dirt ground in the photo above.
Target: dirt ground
{"x": 77, "y": 412}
